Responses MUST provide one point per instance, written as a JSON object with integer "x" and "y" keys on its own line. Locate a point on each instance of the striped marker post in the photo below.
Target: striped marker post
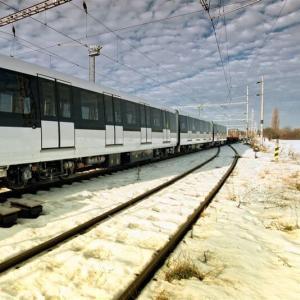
{"x": 276, "y": 151}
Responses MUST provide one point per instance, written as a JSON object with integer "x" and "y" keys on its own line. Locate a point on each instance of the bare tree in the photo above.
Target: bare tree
{"x": 275, "y": 123}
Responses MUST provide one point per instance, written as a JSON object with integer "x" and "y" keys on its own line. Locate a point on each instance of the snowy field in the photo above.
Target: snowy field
{"x": 101, "y": 263}
{"x": 247, "y": 244}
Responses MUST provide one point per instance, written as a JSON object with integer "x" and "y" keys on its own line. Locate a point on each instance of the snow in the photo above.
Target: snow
{"x": 247, "y": 244}
{"x": 102, "y": 262}
{"x": 63, "y": 208}
{"x": 287, "y": 148}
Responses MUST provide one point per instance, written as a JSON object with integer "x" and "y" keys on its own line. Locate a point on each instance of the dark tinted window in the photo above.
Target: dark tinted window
{"x": 193, "y": 125}
{"x": 166, "y": 118}
{"x": 143, "y": 115}
{"x": 89, "y": 106}
{"x": 156, "y": 119}
{"x": 183, "y": 123}
{"x": 131, "y": 117}
{"x": 109, "y": 117}
{"x": 65, "y": 100}
{"x": 148, "y": 116}
{"x": 173, "y": 125}
{"x": 15, "y": 95}
{"x": 47, "y": 92}
{"x": 118, "y": 111}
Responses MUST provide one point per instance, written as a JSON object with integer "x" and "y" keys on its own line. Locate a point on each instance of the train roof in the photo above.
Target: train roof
{"x": 14, "y": 64}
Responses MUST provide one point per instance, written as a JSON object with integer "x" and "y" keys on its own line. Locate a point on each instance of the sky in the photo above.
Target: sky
{"x": 166, "y": 52}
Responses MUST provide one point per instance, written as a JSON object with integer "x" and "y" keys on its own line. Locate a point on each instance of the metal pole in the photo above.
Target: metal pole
{"x": 252, "y": 122}
{"x": 94, "y": 50}
{"x": 262, "y": 112}
{"x": 247, "y": 113}
{"x": 92, "y": 68}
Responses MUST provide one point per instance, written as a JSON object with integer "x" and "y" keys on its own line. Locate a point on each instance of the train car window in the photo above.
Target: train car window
{"x": 167, "y": 120}
{"x": 148, "y": 116}
{"x": 65, "y": 100}
{"x": 183, "y": 123}
{"x": 130, "y": 113}
{"x": 14, "y": 93}
{"x": 142, "y": 115}
{"x": 6, "y": 102}
{"x": 190, "y": 123}
{"x": 197, "y": 125}
{"x": 108, "y": 105}
{"x": 47, "y": 90}
{"x": 193, "y": 125}
{"x": 164, "y": 115}
{"x": 156, "y": 119}
{"x": 173, "y": 126}
{"x": 89, "y": 106}
{"x": 118, "y": 111}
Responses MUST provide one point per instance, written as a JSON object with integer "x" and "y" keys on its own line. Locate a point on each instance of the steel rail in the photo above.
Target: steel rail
{"x": 79, "y": 229}
{"x": 134, "y": 289}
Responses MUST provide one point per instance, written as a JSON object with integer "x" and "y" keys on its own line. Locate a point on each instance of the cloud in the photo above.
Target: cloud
{"x": 176, "y": 60}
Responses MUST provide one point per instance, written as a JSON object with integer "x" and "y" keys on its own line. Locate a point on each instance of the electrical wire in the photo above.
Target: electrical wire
{"x": 227, "y": 50}
{"x": 84, "y": 45}
{"x": 206, "y": 7}
{"x": 47, "y": 52}
{"x": 134, "y": 48}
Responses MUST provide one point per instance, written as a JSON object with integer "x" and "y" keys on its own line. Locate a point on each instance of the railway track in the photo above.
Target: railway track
{"x": 30, "y": 253}
{"x": 146, "y": 274}
{"x": 133, "y": 290}
{"x": 85, "y": 175}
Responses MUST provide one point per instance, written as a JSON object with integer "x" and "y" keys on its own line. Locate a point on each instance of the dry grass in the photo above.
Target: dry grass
{"x": 264, "y": 173}
{"x": 287, "y": 227}
{"x": 231, "y": 194}
{"x": 183, "y": 269}
{"x": 293, "y": 181}
{"x": 162, "y": 296}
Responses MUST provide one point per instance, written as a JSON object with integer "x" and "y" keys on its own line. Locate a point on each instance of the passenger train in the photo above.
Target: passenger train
{"x": 54, "y": 125}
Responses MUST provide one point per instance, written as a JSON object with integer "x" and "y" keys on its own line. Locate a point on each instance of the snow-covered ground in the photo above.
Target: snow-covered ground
{"x": 247, "y": 244}
{"x": 101, "y": 263}
{"x": 287, "y": 148}
{"x": 74, "y": 204}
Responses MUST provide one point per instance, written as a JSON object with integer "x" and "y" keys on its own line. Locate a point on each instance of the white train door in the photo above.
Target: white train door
{"x": 143, "y": 124}
{"x": 146, "y": 129}
{"x": 118, "y": 121}
{"x": 166, "y": 129}
{"x": 148, "y": 124}
{"x": 57, "y": 127}
{"x": 114, "y": 133}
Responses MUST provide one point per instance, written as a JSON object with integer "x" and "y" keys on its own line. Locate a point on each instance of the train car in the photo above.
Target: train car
{"x": 219, "y": 133}
{"x": 194, "y": 133}
{"x": 236, "y": 135}
{"x": 52, "y": 124}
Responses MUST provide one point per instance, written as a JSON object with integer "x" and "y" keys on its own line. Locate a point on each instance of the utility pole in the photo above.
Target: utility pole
{"x": 261, "y": 94}
{"x": 262, "y": 111}
{"x": 94, "y": 50}
{"x": 252, "y": 122}
{"x": 247, "y": 113}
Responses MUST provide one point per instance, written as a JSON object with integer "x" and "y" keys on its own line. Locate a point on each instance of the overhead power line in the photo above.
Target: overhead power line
{"x": 30, "y": 11}
{"x": 151, "y": 60}
{"x": 206, "y": 7}
{"x": 106, "y": 56}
